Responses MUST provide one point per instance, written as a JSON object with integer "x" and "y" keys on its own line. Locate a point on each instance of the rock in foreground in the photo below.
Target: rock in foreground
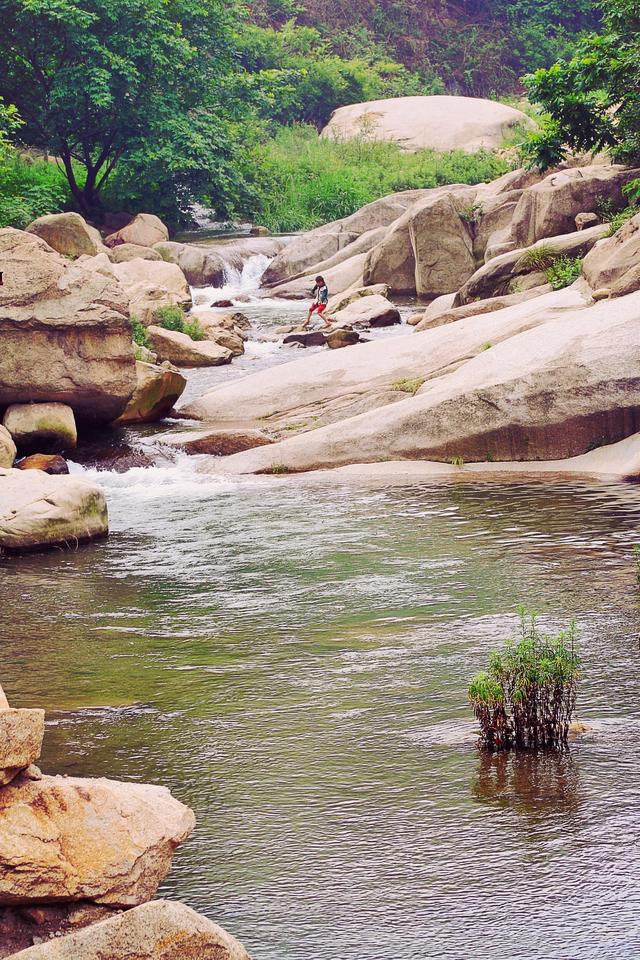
{"x": 70, "y": 839}
{"x": 68, "y": 234}
{"x": 21, "y": 734}
{"x": 160, "y": 930}
{"x": 180, "y": 349}
{"x": 64, "y": 330}
{"x": 39, "y": 511}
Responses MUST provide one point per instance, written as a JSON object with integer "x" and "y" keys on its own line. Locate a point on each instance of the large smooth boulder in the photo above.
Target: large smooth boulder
{"x": 374, "y": 311}
{"x": 21, "y": 734}
{"x": 39, "y": 511}
{"x": 435, "y": 123}
{"x": 180, "y": 349}
{"x": 498, "y": 276}
{"x": 160, "y": 930}
{"x": 443, "y": 311}
{"x": 318, "y": 245}
{"x": 342, "y": 300}
{"x": 64, "y": 330}
{"x": 346, "y": 275}
{"x": 132, "y": 251}
{"x": 68, "y": 234}
{"x": 41, "y": 427}
{"x": 546, "y": 393}
{"x": 615, "y": 262}
{"x": 144, "y": 230}
{"x": 201, "y": 267}
{"x": 8, "y": 451}
{"x": 157, "y": 392}
{"x": 549, "y": 208}
{"x": 151, "y": 284}
{"x": 71, "y": 839}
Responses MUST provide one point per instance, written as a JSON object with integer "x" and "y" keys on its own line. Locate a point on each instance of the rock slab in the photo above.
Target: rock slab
{"x": 21, "y": 734}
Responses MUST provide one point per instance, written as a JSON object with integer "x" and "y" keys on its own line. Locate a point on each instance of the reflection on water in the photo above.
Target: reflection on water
{"x": 291, "y": 658}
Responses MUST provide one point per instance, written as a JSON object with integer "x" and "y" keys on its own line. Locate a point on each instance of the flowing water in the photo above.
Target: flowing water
{"x": 290, "y": 656}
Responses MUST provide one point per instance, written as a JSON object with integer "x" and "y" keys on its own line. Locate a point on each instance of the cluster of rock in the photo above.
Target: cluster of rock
{"x": 502, "y": 371}
{"x": 81, "y": 860}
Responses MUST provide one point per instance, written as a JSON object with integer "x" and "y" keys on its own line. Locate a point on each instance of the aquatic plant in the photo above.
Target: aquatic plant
{"x": 527, "y": 697}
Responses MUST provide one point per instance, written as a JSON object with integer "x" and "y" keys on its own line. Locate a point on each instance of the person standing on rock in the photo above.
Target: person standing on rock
{"x": 320, "y": 296}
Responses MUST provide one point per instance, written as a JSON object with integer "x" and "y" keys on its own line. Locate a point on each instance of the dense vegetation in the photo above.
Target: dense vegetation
{"x": 527, "y": 697}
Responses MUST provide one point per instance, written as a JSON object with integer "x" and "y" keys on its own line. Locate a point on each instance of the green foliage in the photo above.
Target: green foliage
{"x": 306, "y": 181}
{"x": 526, "y": 699}
{"x": 619, "y": 219}
{"x": 139, "y": 333}
{"x": 563, "y": 272}
{"x": 537, "y": 258}
{"x": 457, "y": 461}
{"x": 100, "y": 82}
{"x": 472, "y": 213}
{"x": 632, "y": 191}
{"x": 636, "y": 556}
{"x": 593, "y": 99}
{"x": 408, "y": 385}
{"x": 193, "y": 329}
{"x": 173, "y": 318}
{"x": 29, "y": 188}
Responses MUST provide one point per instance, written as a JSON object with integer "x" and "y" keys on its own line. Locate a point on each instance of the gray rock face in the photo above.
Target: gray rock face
{"x": 160, "y": 930}
{"x": 64, "y": 330}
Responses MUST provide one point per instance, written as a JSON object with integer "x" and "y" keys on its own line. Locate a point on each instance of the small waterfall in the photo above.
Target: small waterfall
{"x": 238, "y": 282}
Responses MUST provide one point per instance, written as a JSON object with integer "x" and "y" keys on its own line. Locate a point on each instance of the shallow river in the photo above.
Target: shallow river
{"x": 291, "y": 657}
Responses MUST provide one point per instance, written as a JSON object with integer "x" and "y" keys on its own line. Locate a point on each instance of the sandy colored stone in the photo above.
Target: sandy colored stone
{"x": 201, "y": 267}
{"x": 442, "y": 243}
{"x": 344, "y": 276}
{"x": 584, "y": 220}
{"x": 442, "y": 311}
{"x": 337, "y": 339}
{"x": 41, "y": 427}
{"x": 22, "y": 927}
{"x": 8, "y": 451}
{"x": 340, "y": 301}
{"x": 144, "y": 230}
{"x": 221, "y": 443}
{"x": 374, "y": 311}
{"x": 157, "y": 392}
{"x": 180, "y": 349}
{"x": 614, "y": 263}
{"x": 64, "y": 330}
{"x": 40, "y": 511}
{"x": 21, "y": 734}
{"x": 68, "y": 234}
{"x": 4, "y": 703}
{"x": 152, "y": 284}
{"x": 132, "y": 251}
{"x": 51, "y": 463}
{"x": 542, "y": 394}
{"x": 70, "y": 838}
{"x": 435, "y": 123}
{"x": 160, "y": 930}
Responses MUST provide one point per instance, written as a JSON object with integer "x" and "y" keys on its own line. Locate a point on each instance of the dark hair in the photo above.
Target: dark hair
{"x": 319, "y": 279}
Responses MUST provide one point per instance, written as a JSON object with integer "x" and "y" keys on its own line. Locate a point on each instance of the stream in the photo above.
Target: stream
{"x": 290, "y": 656}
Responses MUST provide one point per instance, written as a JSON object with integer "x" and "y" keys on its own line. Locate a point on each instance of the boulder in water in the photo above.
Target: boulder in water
{"x": 74, "y": 839}
{"x": 41, "y": 427}
{"x": 21, "y": 735}
{"x": 202, "y": 267}
{"x": 157, "y": 391}
{"x": 314, "y": 338}
{"x": 374, "y": 311}
{"x": 342, "y": 338}
{"x": 159, "y": 930}
{"x": 51, "y": 463}
{"x": 219, "y": 443}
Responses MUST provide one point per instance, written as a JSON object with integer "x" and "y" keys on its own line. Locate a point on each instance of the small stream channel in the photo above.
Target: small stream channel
{"x": 290, "y": 656}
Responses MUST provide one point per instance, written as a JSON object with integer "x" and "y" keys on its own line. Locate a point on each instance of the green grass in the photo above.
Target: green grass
{"x": 139, "y": 333}
{"x": 538, "y": 258}
{"x": 173, "y": 318}
{"x": 408, "y": 385}
{"x": 306, "y": 181}
{"x": 563, "y": 272}
{"x": 29, "y": 188}
{"x": 618, "y": 220}
{"x": 457, "y": 461}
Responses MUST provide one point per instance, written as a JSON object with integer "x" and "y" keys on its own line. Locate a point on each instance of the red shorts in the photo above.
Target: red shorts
{"x": 319, "y": 307}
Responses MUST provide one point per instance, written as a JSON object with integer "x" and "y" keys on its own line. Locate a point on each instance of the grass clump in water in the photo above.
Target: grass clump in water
{"x": 527, "y": 697}
{"x": 408, "y": 385}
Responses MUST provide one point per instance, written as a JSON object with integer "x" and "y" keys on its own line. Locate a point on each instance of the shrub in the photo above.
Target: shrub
{"x": 193, "y": 329}
{"x": 527, "y": 697}
{"x": 538, "y": 258}
{"x": 171, "y": 318}
{"x": 29, "y": 188}
{"x": 563, "y": 272}
{"x": 139, "y": 333}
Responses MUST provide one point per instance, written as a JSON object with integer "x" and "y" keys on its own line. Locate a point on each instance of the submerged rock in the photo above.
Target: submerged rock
{"x": 73, "y": 839}
{"x": 160, "y": 930}
{"x": 41, "y": 427}
{"x": 155, "y": 395}
{"x": 38, "y": 511}
{"x": 221, "y": 443}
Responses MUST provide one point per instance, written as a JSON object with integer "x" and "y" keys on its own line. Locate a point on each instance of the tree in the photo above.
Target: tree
{"x": 99, "y": 80}
{"x": 593, "y": 100}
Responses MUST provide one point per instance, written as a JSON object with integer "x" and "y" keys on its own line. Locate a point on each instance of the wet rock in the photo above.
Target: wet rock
{"x": 111, "y": 451}
{"x": 156, "y": 393}
{"x": 315, "y": 338}
{"x": 68, "y": 234}
{"x": 180, "y": 349}
{"x": 8, "y": 450}
{"x": 64, "y": 330}
{"x": 222, "y": 303}
{"x": 160, "y": 930}
{"x": 51, "y": 463}
{"x": 21, "y": 734}
{"x": 72, "y": 839}
{"x": 144, "y": 230}
{"x": 201, "y": 267}
{"x": 41, "y": 427}
{"x": 38, "y": 511}
{"x": 341, "y": 338}
{"x": 221, "y": 443}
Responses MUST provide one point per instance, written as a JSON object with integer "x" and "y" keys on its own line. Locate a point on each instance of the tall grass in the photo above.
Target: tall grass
{"x": 306, "y": 181}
